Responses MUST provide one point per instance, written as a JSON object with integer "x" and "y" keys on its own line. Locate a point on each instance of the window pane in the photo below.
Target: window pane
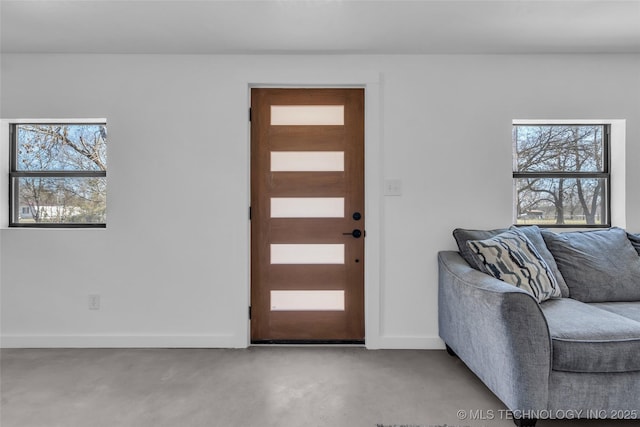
{"x": 307, "y": 161}
{"x": 557, "y": 201}
{"x": 61, "y": 200}
{"x": 307, "y": 207}
{"x": 558, "y": 148}
{"x": 298, "y": 115}
{"x": 307, "y": 300}
{"x": 80, "y": 147}
{"x": 307, "y": 253}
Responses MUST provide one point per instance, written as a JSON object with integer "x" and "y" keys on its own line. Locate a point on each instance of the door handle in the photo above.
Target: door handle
{"x": 355, "y": 233}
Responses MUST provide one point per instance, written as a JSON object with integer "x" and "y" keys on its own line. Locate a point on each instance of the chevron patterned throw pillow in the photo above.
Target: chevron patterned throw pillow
{"x": 512, "y": 258}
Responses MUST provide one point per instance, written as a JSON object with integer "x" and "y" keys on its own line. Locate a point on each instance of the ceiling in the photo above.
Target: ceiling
{"x": 319, "y": 26}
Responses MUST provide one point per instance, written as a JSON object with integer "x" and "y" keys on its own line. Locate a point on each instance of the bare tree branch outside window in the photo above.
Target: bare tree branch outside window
{"x": 58, "y": 174}
{"x": 561, "y": 175}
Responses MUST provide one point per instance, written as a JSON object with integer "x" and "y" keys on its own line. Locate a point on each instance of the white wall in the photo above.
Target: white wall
{"x": 178, "y": 137}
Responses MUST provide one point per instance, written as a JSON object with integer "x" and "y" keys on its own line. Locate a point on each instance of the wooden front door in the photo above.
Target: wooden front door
{"x": 307, "y": 225}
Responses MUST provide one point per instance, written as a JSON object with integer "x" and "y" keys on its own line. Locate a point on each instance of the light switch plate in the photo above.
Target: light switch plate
{"x": 392, "y": 187}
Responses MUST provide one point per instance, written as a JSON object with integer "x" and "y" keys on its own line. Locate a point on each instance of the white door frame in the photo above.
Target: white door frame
{"x": 371, "y": 82}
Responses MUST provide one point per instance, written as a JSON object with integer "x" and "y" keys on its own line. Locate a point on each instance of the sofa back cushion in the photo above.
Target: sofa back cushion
{"x": 635, "y": 241}
{"x": 597, "y": 266}
{"x": 511, "y": 257}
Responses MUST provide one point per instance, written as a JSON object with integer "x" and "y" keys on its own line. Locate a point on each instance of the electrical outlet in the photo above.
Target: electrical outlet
{"x": 94, "y": 302}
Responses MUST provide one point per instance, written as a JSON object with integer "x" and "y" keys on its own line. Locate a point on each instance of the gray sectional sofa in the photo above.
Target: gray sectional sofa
{"x": 575, "y": 354}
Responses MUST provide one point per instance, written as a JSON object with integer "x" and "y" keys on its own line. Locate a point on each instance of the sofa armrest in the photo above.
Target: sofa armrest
{"x": 497, "y": 330}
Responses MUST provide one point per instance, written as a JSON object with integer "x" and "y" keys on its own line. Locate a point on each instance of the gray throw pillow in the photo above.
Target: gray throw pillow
{"x": 635, "y": 241}
{"x": 597, "y": 266}
{"x": 533, "y": 234}
{"x": 512, "y": 258}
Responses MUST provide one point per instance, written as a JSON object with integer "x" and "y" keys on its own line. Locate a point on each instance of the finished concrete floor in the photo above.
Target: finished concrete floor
{"x": 259, "y": 386}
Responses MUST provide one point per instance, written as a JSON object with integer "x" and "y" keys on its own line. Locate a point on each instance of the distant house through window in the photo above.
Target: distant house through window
{"x": 58, "y": 175}
{"x": 561, "y": 175}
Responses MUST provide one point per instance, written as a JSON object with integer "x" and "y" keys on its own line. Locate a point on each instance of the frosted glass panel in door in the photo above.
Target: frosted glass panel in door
{"x": 307, "y": 300}
{"x": 307, "y": 161}
{"x": 307, "y": 207}
{"x": 307, "y": 253}
{"x": 301, "y": 115}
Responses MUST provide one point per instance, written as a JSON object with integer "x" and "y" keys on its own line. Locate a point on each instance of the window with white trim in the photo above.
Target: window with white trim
{"x": 58, "y": 175}
{"x": 561, "y": 174}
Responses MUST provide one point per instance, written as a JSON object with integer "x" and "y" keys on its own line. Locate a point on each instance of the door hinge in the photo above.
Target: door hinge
{"x": 249, "y": 114}
{"x": 249, "y": 213}
{"x": 249, "y": 312}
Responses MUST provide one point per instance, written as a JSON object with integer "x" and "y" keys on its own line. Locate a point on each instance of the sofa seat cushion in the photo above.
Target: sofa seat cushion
{"x": 586, "y": 338}
{"x": 630, "y": 310}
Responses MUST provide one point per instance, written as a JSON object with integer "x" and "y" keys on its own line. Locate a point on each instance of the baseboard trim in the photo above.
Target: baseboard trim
{"x": 410, "y": 342}
{"x": 122, "y": 341}
{"x": 191, "y": 341}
